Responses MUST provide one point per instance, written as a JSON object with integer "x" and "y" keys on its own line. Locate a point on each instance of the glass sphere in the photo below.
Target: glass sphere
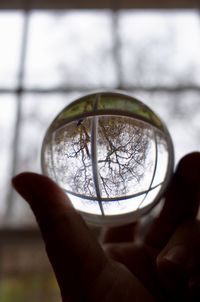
{"x": 111, "y": 154}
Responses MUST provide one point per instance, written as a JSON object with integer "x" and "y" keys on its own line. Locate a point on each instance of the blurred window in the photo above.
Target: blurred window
{"x": 50, "y": 57}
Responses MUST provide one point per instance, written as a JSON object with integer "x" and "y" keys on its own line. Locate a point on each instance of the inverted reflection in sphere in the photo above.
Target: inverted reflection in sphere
{"x": 111, "y": 154}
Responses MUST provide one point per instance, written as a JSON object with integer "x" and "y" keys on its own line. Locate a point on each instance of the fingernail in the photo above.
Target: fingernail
{"x": 172, "y": 268}
{"x": 177, "y": 255}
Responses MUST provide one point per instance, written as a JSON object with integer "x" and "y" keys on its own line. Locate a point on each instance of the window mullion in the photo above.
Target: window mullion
{"x": 19, "y": 95}
{"x": 117, "y": 48}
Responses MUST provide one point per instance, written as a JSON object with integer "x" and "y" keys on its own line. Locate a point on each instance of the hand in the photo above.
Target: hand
{"x": 128, "y": 271}
{"x": 167, "y": 259}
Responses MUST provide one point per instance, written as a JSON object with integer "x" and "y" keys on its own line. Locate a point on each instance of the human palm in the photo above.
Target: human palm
{"x": 162, "y": 265}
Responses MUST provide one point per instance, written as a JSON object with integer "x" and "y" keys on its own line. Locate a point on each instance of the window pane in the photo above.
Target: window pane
{"x": 181, "y": 113}
{"x": 38, "y": 111}
{"x": 70, "y": 49}
{"x": 160, "y": 48}
{"x": 10, "y": 40}
{"x": 7, "y": 123}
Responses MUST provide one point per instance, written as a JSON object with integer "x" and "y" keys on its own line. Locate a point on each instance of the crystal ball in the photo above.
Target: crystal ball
{"x": 111, "y": 154}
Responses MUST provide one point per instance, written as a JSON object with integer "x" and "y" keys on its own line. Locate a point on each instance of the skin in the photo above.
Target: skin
{"x": 163, "y": 265}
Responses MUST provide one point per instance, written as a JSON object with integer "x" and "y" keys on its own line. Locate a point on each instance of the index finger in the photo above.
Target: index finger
{"x": 73, "y": 252}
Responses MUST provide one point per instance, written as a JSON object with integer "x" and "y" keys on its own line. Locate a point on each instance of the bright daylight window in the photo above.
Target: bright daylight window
{"x": 48, "y": 58}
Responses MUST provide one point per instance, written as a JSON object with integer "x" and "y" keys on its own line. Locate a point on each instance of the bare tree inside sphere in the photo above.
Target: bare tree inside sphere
{"x": 111, "y": 154}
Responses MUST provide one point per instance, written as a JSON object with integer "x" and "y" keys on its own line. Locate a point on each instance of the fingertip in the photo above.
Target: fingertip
{"x": 171, "y": 269}
{"x": 179, "y": 259}
{"x": 18, "y": 179}
{"x": 194, "y": 286}
{"x": 26, "y": 184}
{"x": 190, "y": 158}
{"x": 39, "y": 190}
{"x": 26, "y": 178}
{"x": 188, "y": 170}
{"x": 175, "y": 257}
{"x": 172, "y": 276}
